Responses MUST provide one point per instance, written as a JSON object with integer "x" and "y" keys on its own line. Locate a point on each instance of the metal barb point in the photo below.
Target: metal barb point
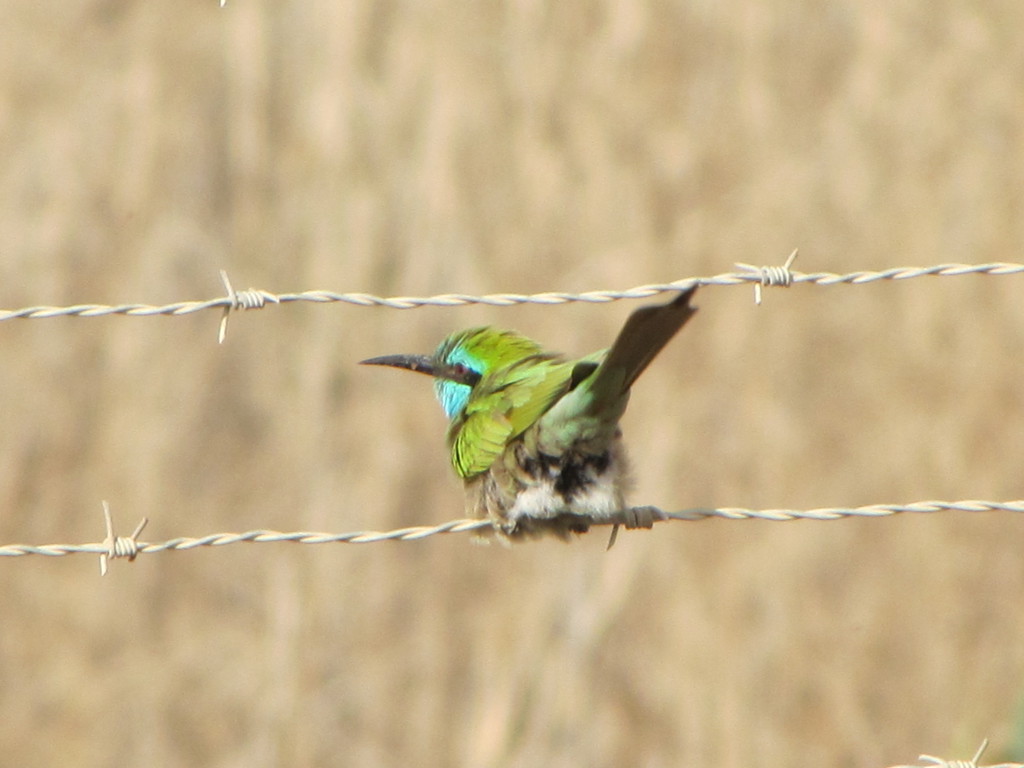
{"x": 119, "y": 546}
{"x": 222, "y": 331}
{"x": 232, "y": 298}
{"x": 981, "y": 750}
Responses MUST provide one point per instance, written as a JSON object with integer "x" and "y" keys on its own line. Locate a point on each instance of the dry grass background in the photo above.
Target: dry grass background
{"x": 421, "y": 147}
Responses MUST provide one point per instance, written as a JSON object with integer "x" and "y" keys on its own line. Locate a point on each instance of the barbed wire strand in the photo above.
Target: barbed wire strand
{"x": 931, "y": 761}
{"x": 254, "y": 298}
{"x": 129, "y": 547}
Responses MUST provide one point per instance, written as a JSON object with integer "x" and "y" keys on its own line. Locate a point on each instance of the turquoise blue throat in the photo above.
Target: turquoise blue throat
{"x": 452, "y": 395}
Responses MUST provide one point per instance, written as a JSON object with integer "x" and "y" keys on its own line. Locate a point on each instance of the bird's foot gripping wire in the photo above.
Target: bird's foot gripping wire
{"x": 636, "y": 517}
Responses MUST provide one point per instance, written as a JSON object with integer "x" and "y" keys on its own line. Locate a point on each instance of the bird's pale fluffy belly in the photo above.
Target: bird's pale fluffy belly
{"x": 534, "y": 493}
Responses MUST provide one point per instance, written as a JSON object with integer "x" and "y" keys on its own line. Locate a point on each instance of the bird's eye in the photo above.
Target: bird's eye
{"x": 463, "y": 374}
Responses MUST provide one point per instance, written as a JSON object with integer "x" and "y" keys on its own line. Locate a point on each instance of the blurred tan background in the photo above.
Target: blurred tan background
{"x": 423, "y": 147}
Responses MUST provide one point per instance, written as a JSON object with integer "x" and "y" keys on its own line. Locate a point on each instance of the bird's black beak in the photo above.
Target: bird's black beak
{"x": 417, "y": 363}
{"x": 423, "y": 364}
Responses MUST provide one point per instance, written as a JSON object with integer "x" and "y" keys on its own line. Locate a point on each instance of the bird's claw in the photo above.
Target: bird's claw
{"x": 635, "y": 517}
{"x": 641, "y": 517}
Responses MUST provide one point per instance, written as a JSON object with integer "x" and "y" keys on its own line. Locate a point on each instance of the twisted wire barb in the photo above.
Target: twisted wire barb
{"x": 770, "y": 275}
{"x": 119, "y": 546}
{"x": 937, "y": 762}
{"x": 255, "y": 298}
{"x": 643, "y": 517}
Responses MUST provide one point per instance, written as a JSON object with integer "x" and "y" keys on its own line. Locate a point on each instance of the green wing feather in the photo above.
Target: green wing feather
{"x": 503, "y": 406}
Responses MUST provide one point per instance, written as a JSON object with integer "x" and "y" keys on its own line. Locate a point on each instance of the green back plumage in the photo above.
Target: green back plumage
{"x": 589, "y": 415}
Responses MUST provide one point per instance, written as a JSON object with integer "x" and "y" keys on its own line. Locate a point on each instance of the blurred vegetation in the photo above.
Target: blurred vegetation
{"x": 397, "y": 147}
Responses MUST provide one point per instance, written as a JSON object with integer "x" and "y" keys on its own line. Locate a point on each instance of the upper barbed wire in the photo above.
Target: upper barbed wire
{"x": 759, "y": 276}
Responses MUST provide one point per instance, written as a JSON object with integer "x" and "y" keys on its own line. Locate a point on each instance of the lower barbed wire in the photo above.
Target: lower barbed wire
{"x": 631, "y": 518}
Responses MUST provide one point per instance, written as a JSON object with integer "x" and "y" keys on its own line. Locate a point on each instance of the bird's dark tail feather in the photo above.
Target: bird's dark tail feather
{"x": 644, "y": 335}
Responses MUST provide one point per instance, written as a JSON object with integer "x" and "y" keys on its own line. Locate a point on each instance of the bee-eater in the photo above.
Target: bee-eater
{"x": 534, "y": 436}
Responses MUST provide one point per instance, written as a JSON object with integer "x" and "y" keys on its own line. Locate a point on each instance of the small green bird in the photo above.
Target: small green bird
{"x": 534, "y": 436}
